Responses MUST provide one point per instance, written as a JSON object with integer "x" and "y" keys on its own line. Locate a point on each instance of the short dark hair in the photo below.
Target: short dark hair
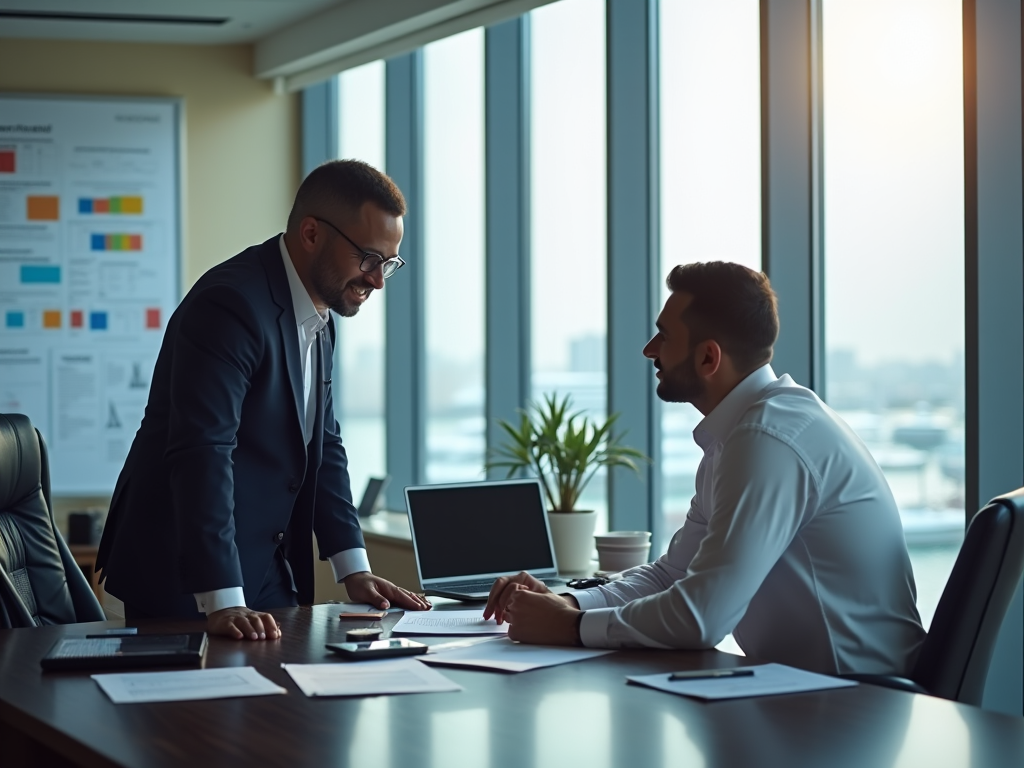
{"x": 344, "y": 185}
{"x": 733, "y": 305}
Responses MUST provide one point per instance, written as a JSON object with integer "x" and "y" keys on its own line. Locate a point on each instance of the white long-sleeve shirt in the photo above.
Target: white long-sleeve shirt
{"x": 793, "y": 543}
{"x": 308, "y": 322}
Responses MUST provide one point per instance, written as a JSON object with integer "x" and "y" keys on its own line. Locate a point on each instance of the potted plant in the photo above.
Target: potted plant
{"x": 564, "y": 449}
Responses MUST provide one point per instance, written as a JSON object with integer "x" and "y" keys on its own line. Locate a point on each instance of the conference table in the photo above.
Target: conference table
{"x": 579, "y": 714}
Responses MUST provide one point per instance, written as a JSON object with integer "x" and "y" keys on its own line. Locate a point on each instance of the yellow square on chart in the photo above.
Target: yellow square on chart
{"x": 51, "y": 318}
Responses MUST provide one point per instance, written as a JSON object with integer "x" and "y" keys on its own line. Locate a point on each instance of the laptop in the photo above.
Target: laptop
{"x": 465, "y": 536}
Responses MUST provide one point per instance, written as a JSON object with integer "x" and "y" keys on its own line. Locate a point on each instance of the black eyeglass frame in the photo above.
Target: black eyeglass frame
{"x": 383, "y": 263}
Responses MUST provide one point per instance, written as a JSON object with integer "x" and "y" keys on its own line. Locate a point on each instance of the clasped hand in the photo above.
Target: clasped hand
{"x": 534, "y": 613}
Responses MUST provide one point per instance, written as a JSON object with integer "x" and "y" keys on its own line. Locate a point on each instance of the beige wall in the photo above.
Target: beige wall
{"x": 242, "y": 151}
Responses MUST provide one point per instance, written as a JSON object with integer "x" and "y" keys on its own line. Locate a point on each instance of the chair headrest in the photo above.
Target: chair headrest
{"x": 20, "y": 459}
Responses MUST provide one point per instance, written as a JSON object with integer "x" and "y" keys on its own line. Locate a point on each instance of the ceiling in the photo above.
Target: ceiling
{"x": 155, "y": 21}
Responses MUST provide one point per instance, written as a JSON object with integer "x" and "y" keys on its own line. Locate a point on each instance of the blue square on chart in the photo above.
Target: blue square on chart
{"x": 15, "y": 319}
{"x": 98, "y": 321}
{"x": 98, "y": 242}
{"x": 85, "y": 205}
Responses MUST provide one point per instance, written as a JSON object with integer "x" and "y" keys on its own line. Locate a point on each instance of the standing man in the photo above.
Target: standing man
{"x": 238, "y": 461}
{"x": 793, "y": 541}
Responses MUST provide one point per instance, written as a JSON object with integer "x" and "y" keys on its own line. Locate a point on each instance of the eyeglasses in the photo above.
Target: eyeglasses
{"x": 370, "y": 261}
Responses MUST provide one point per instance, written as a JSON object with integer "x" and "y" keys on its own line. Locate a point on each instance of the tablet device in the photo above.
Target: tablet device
{"x": 126, "y": 652}
{"x": 379, "y": 649}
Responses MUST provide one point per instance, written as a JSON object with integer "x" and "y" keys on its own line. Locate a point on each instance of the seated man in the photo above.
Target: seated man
{"x": 793, "y": 541}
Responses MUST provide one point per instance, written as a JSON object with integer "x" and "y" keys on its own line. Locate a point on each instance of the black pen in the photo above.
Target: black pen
{"x": 710, "y": 674}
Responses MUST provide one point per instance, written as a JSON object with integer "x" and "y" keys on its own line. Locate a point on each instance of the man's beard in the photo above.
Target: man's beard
{"x": 331, "y": 288}
{"x": 681, "y": 384}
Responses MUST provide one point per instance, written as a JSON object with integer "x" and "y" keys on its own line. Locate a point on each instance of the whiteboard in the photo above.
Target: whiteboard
{"x": 90, "y": 254}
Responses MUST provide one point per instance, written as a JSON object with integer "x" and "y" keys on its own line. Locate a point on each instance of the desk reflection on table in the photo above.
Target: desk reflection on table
{"x": 582, "y": 713}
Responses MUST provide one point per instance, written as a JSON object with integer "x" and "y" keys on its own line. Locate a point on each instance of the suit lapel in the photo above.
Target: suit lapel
{"x": 282, "y": 296}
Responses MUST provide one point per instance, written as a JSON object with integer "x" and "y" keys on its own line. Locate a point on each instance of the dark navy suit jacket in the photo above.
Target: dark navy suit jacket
{"x": 218, "y": 477}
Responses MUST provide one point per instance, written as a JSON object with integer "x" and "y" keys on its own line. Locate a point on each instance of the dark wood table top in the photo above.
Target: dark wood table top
{"x": 581, "y": 714}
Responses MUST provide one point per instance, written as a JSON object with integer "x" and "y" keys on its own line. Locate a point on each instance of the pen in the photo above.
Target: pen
{"x": 710, "y": 674}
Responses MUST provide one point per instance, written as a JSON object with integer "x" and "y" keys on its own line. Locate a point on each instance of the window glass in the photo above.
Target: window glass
{"x": 710, "y": 178}
{"x": 894, "y": 258}
{"x": 454, "y": 256}
{"x": 568, "y": 212}
{"x": 359, "y": 380}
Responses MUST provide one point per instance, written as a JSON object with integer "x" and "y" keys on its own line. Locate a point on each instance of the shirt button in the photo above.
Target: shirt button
{"x": 279, "y": 536}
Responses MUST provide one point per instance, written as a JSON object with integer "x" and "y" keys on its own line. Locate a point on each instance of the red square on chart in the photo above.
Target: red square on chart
{"x": 101, "y": 205}
{"x": 77, "y": 318}
{"x": 6, "y": 161}
{"x": 153, "y": 317}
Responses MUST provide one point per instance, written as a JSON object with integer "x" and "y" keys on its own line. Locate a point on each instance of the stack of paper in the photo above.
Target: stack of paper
{"x": 368, "y": 678}
{"x": 506, "y": 656}
{"x": 447, "y": 623}
{"x": 767, "y": 680}
{"x": 186, "y": 685}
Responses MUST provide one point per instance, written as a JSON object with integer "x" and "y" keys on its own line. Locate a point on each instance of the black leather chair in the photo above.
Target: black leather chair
{"x": 954, "y": 659}
{"x": 40, "y": 583}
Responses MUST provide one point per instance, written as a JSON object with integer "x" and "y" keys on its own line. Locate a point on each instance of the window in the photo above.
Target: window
{"x": 454, "y": 256}
{"x": 710, "y": 177}
{"x": 359, "y": 383}
{"x": 568, "y": 212}
{"x": 894, "y": 258}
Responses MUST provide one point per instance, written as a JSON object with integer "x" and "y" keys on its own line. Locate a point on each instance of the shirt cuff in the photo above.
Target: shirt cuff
{"x": 348, "y": 562}
{"x": 218, "y": 599}
{"x": 589, "y": 598}
{"x": 594, "y": 627}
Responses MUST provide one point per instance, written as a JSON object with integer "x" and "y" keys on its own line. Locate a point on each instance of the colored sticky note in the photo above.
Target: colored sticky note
{"x": 51, "y": 318}
{"x": 134, "y": 242}
{"x": 43, "y": 207}
{"x": 77, "y": 318}
{"x": 115, "y": 205}
{"x": 153, "y": 317}
{"x": 15, "y": 319}
{"x": 98, "y": 321}
{"x": 7, "y": 161}
{"x": 39, "y": 273}
{"x": 131, "y": 204}
{"x": 85, "y": 205}
{"x": 97, "y": 242}
{"x": 101, "y": 205}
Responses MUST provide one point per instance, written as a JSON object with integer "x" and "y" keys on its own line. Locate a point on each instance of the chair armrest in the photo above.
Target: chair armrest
{"x": 888, "y": 681}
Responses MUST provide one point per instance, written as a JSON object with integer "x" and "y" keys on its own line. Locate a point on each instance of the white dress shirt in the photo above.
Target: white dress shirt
{"x": 309, "y": 322}
{"x": 793, "y": 543}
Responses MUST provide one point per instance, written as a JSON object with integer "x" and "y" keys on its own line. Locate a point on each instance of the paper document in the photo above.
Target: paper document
{"x": 368, "y": 678}
{"x": 447, "y": 623}
{"x": 361, "y": 608}
{"x": 506, "y": 656}
{"x": 186, "y": 685}
{"x": 767, "y": 680}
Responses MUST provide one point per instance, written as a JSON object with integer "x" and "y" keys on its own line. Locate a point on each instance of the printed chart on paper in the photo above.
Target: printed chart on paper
{"x": 89, "y": 271}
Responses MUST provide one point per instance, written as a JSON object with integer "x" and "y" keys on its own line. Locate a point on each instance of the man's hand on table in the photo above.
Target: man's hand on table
{"x": 240, "y": 623}
{"x": 506, "y": 586}
{"x": 541, "y": 618}
{"x": 364, "y": 587}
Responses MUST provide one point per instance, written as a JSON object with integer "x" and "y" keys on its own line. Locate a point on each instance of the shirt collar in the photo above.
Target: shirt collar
{"x": 305, "y": 311}
{"x": 717, "y": 425}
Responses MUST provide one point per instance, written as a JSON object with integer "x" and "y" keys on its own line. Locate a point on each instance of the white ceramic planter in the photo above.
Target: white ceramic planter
{"x": 573, "y": 536}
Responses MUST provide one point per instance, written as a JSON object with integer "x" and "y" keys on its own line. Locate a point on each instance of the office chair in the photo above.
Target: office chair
{"x": 954, "y": 658}
{"x": 40, "y": 583}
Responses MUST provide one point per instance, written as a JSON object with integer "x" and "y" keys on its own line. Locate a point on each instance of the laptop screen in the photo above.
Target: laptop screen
{"x": 479, "y": 529}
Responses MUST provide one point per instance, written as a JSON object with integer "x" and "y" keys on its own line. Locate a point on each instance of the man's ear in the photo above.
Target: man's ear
{"x": 709, "y": 358}
{"x": 309, "y": 233}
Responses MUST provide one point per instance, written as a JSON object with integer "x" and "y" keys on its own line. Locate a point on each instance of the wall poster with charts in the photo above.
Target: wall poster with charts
{"x": 89, "y": 271}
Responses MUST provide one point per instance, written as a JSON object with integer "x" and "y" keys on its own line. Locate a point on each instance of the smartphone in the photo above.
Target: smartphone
{"x": 379, "y": 649}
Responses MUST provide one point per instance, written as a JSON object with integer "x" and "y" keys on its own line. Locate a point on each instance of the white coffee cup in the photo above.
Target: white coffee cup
{"x": 621, "y": 550}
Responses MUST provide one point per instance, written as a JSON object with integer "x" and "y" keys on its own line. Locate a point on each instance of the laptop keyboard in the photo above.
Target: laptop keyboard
{"x": 485, "y": 586}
